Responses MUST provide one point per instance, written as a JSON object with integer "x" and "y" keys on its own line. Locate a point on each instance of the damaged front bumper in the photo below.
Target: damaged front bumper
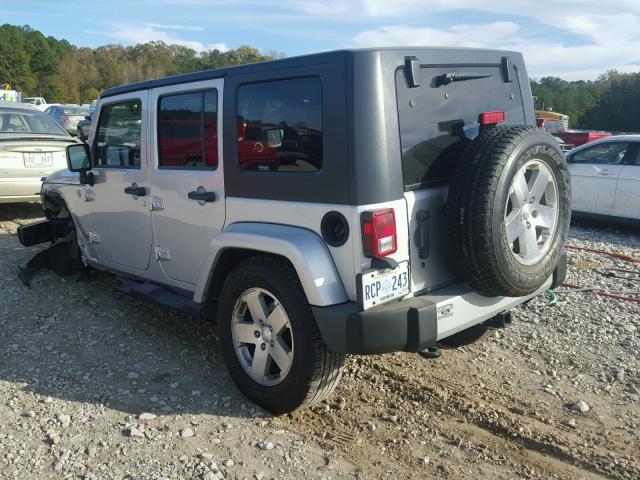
{"x": 43, "y": 231}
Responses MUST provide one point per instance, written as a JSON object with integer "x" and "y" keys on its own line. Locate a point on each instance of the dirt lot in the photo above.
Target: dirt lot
{"x": 80, "y": 363}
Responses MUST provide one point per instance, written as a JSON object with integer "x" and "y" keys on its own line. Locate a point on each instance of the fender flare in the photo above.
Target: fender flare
{"x": 305, "y": 250}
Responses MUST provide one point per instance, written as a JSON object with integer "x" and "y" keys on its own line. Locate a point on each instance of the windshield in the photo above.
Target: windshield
{"x": 31, "y": 101}
{"x": 27, "y": 121}
{"x": 75, "y": 111}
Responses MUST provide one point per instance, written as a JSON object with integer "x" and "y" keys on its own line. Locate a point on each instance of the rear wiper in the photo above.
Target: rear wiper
{"x": 447, "y": 78}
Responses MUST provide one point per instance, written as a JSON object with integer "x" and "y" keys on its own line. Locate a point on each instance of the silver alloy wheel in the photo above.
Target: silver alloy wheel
{"x": 532, "y": 212}
{"x": 262, "y": 336}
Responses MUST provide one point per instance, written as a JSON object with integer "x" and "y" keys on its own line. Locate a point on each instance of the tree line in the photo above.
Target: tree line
{"x": 611, "y": 102}
{"x": 63, "y": 73}
{"x": 60, "y": 72}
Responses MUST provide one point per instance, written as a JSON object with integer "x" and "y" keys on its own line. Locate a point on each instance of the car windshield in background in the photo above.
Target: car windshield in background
{"x": 26, "y": 121}
{"x": 75, "y": 111}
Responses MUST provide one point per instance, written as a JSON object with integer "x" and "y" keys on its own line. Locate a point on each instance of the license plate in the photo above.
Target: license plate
{"x": 36, "y": 160}
{"x": 381, "y": 286}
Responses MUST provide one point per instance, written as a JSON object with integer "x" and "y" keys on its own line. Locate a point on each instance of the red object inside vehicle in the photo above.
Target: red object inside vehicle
{"x": 254, "y": 152}
{"x": 181, "y": 143}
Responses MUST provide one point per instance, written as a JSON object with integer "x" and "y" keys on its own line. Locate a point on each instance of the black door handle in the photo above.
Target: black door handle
{"x": 202, "y": 196}
{"x": 135, "y": 191}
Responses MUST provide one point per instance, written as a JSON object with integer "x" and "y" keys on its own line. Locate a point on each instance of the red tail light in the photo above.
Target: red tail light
{"x": 379, "y": 236}
{"x": 489, "y": 118}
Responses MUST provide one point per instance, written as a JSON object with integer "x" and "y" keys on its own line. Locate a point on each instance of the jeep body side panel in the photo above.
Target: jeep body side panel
{"x": 349, "y": 258}
{"x": 307, "y": 252}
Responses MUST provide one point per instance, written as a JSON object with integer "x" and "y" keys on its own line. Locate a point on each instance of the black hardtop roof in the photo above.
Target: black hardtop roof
{"x": 298, "y": 61}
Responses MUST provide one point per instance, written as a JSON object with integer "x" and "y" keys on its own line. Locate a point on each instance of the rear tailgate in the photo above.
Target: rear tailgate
{"x": 439, "y": 108}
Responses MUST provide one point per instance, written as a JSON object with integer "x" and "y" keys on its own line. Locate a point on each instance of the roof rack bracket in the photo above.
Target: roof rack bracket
{"x": 411, "y": 69}
{"x": 506, "y": 70}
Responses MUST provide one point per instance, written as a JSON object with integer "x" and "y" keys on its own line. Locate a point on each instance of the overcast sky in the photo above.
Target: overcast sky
{"x": 572, "y": 39}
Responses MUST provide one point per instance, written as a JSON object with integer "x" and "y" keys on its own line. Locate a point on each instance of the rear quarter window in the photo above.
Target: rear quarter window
{"x": 279, "y": 125}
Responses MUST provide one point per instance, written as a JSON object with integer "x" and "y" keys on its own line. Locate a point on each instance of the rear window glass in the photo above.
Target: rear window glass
{"x": 438, "y": 120}
{"x": 280, "y": 126}
{"x": 187, "y": 130}
{"x": 23, "y": 121}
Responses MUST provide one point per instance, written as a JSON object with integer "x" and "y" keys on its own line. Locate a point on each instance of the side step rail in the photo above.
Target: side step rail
{"x": 161, "y": 296}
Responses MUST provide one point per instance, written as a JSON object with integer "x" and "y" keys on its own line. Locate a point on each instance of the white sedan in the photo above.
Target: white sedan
{"x": 32, "y": 146}
{"x": 605, "y": 177}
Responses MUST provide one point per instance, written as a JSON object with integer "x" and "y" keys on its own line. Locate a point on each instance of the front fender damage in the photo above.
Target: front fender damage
{"x": 63, "y": 254}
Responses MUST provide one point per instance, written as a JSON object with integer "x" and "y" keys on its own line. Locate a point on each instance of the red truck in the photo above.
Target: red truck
{"x": 556, "y": 125}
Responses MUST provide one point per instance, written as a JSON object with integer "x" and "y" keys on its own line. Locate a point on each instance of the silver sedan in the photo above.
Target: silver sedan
{"x": 32, "y": 146}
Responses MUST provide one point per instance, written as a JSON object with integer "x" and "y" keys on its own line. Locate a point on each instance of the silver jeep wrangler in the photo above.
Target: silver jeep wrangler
{"x": 360, "y": 201}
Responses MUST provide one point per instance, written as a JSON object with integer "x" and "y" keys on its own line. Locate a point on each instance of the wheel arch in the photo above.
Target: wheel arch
{"x": 302, "y": 248}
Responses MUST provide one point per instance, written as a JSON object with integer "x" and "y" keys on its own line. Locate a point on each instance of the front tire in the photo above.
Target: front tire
{"x": 269, "y": 339}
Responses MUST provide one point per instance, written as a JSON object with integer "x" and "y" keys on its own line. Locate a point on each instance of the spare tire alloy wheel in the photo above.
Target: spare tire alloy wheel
{"x": 262, "y": 336}
{"x": 508, "y": 210}
{"x": 531, "y": 214}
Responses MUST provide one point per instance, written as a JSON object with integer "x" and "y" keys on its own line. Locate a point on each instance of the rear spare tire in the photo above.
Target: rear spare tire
{"x": 508, "y": 210}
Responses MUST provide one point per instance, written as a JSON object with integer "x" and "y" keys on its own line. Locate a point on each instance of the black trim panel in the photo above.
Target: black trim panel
{"x": 408, "y": 325}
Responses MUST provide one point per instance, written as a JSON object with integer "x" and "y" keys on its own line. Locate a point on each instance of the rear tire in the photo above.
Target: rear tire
{"x": 508, "y": 210}
{"x": 278, "y": 360}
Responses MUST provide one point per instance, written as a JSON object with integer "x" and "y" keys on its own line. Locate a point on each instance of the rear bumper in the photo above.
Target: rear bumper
{"x": 20, "y": 189}
{"x": 414, "y": 323}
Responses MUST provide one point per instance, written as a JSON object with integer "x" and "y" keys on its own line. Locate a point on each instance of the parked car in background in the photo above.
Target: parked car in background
{"x": 68, "y": 116}
{"x": 605, "y": 176}
{"x": 38, "y": 102}
{"x": 32, "y": 146}
{"x": 83, "y": 129}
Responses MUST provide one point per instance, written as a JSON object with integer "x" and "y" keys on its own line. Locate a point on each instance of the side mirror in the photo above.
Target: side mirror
{"x": 79, "y": 160}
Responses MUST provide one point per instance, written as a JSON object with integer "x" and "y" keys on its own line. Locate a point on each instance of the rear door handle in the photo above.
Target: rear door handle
{"x": 604, "y": 172}
{"x": 202, "y": 196}
{"x": 135, "y": 190}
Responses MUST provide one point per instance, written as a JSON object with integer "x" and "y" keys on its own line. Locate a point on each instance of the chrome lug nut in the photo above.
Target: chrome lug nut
{"x": 263, "y": 346}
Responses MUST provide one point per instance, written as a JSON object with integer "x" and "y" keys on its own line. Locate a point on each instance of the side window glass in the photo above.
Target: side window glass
{"x": 635, "y": 157}
{"x": 280, "y": 125}
{"x": 610, "y": 153}
{"x": 188, "y": 130}
{"x": 119, "y": 135}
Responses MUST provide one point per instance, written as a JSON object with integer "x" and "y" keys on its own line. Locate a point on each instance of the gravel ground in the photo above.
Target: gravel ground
{"x": 94, "y": 384}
